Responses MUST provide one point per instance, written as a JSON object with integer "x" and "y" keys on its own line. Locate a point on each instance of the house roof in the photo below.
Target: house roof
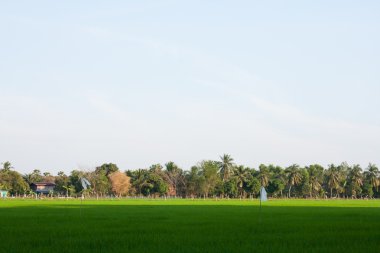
{"x": 44, "y": 184}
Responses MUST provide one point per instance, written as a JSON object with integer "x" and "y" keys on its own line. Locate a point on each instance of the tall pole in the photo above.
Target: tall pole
{"x": 81, "y": 199}
{"x": 260, "y": 206}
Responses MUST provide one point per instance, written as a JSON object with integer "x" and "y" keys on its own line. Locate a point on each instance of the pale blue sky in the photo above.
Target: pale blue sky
{"x": 143, "y": 82}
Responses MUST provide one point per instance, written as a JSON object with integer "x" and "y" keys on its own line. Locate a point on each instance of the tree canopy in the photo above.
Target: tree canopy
{"x": 208, "y": 178}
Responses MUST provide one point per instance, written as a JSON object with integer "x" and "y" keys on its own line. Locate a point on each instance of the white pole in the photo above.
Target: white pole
{"x": 260, "y": 206}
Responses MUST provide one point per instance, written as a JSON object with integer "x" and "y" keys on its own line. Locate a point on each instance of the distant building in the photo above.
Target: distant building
{"x": 3, "y": 193}
{"x": 42, "y": 187}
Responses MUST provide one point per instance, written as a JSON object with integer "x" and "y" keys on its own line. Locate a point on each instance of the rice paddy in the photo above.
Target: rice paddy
{"x": 136, "y": 225}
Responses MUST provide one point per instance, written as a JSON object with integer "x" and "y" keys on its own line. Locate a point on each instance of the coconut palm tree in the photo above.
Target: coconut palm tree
{"x": 7, "y": 166}
{"x": 192, "y": 181}
{"x": 294, "y": 176}
{"x": 372, "y": 175}
{"x": 333, "y": 177}
{"x": 343, "y": 170}
{"x": 241, "y": 174}
{"x": 315, "y": 178}
{"x": 226, "y": 166}
{"x": 264, "y": 175}
{"x": 28, "y": 178}
{"x": 356, "y": 180}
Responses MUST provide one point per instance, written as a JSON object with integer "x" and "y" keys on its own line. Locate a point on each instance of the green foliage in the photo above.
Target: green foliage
{"x": 253, "y": 186}
{"x": 315, "y": 173}
{"x": 355, "y": 181}
{"x": 7, "y": 166}
{"x": 278, "y": 181}
{"x": 74, "y": 180}
{"x": 241, "y": 176}
{"x": 211, "y": 179}
{"x": 159, "y": 186}
{"x": 294, "y": 177}
{"x": 100, "y": 182}
{"x": 230, "y": 188}
{"x": 149, "y": 182}
{"x": 372, "y": 178}
{"x": 333, "y": 179}
{"x": 275, "y": 187}
{"x": 34, "y": 177}
{"x": 106, "y": 169}
{"x": 368, "y": 190}
{"x": 192, "y": 179}
{"x": 61, "y": 183}
{"x": 264, "y": 175}
{"x": 13, "y": 182}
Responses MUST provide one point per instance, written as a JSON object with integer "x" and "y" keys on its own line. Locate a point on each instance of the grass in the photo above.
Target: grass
{"x": 189, "y": 226}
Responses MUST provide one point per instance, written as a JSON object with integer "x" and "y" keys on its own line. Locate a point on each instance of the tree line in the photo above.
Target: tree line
{"x": 222, "y": 179}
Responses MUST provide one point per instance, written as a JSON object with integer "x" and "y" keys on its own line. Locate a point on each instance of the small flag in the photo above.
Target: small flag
{"x": 263, "y": 194}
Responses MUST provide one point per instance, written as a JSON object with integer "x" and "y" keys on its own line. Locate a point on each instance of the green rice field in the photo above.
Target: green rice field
{"x": 176, "y": 226}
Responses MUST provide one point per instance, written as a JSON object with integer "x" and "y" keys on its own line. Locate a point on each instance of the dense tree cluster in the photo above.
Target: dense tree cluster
{"x": 223, "y": 179}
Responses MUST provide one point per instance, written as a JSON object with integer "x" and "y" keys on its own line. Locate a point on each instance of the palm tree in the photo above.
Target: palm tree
{"x": 241, "y": 174}
{"x": 333, "y": 178}
{"x": 192, "y": 181}
{"x": 356, "y": 180}
{"x": 372, "y": 175}
{"x": 315, "y": 178}
{"x": 294, "y": 176}
{"x": 66, "y": 187}
{"x": 61, "y": 173}
{"x": 156, "y": 168}
{"x": 343, "y": 170}
{"x": 264, "y": 175}
{"x": 226, "y": 166}
{"x": 28, "y": 178}
{"x": 7, "y": 166}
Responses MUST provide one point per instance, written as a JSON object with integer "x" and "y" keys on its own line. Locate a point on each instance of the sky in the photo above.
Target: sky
{"x": 136, "y": 83}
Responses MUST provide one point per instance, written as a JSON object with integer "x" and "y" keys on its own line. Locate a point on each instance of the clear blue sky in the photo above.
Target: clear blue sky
{"x": 143, "y": 82}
